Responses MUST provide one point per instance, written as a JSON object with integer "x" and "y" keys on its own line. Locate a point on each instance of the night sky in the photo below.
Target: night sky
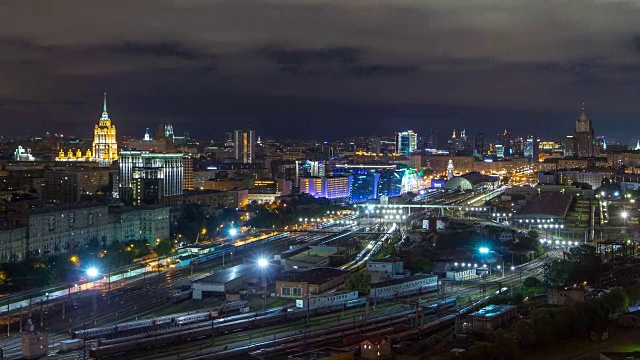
{"x": 320, "y": 69}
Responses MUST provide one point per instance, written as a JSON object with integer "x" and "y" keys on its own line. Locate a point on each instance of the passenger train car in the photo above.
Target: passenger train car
{"x": 337, "y": 299}
{"x": 139, "y": 326}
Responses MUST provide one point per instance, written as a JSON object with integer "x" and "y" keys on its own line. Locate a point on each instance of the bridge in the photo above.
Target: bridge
{"x": 375, "y": 209}
{"x": 337, "y": 232}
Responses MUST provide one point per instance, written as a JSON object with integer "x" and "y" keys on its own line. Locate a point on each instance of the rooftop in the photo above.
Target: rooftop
{"x": 476, "y": 178}
{"x": 386, "y": 259}
{"x": 314, "y": 276}
{"x": 376, "y": 340}
{"x": 493, "y": 310}
{"x": 555, "y": 204}
{"x": 229, "y": 274}
{"x": 402, "y": 280}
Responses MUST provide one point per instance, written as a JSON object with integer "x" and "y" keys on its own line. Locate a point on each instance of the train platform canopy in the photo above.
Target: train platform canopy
{"x": 472, "y": 180}
{"x": 493, "y": 311}
{"x": 546, "y": 205}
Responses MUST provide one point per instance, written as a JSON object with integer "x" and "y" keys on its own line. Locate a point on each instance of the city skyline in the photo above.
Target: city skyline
{"x": 279, "y": 66}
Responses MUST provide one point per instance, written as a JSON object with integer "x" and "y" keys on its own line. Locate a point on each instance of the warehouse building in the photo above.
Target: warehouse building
{"x": 226, "y": 281}
{"x": 311, "y": 282}
{"x": 491, "y": 317}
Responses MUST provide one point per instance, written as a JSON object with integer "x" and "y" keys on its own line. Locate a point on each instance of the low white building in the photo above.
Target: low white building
{"x": 460, "y": 275}
{"x": 387, "y": 268}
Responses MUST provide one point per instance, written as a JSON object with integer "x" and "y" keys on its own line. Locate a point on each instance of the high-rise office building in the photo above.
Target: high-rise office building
{"x": 364, "y": 186}
{"x": 105, "y": 146}
{"x": 244, "y": 142}
{"x": 568, "y": 146}
{"x": 389, "y": 183}
{"x": 504, "y": 139}
{"x": 150, "y": 178}
{"x": 583, "y": 137}
{"x": 187, "y": 171}
{"x": 406, "y": 142}
{"x": 532, "y": 148}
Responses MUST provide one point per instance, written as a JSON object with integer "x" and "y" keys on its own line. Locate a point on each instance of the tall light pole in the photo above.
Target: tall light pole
{"x": 93, "y": 273}
{"x": 263, "y": 264}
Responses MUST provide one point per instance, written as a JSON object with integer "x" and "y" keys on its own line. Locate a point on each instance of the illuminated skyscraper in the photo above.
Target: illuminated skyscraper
{"x": 244, "y": 142}
{"x": 151, "y": 178}
{"x": 583, "y": 137}
{"x": 105, "y": 146}
{"x": 406, "y": 142}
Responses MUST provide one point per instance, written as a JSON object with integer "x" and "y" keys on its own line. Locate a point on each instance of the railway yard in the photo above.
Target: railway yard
{"x": 137, "y": 319}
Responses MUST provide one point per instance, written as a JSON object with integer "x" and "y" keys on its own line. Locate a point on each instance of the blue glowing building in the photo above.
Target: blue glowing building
{"x": 390, "y": 183}
{"x": 364, "y": 185}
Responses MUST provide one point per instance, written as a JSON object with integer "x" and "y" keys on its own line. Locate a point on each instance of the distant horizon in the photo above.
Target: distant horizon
{"x": 295, "y": 69}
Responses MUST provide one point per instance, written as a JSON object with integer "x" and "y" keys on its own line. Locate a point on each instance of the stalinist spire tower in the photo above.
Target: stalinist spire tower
{"x": 105, "y": 146}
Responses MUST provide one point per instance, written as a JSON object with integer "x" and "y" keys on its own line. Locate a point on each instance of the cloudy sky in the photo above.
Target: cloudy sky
{"x": 320, "y": 68}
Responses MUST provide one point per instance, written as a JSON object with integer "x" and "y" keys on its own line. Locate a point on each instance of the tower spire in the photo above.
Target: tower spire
{"x": 105, "y": 115}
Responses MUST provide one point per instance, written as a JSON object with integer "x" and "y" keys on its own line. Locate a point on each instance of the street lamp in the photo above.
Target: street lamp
{"x": 92, "y": 272}
{"x": 624, "y": 215}
{"x": 262, "y": 264}
{"x": 233, "y": 231}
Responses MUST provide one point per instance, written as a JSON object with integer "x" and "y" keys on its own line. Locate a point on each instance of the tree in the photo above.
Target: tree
{"x": 523, "y": 332}
{"x": 421, "y": 265}
{"x": 542, "y": 327}
{"x": 506, "y": 345}
{"x": 360, "y": 282}
{"x": 4, "y": 278}
{"x": 164, "y": 247}
{"x": 531, "y": 281}
{"x": 633, "y": 292}
{"x": 617, "y": 300}
{"x": 481, "y": 350}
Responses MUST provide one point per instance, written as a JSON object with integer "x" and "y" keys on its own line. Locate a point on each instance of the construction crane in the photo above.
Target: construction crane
{"x": 201, "y": 235}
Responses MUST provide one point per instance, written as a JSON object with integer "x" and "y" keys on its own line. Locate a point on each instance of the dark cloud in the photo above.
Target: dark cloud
{"x": 335, "y": 62}
{"x": 635, "y": 42}
{"x": 383, "y": 70}
{"x": 158, "y": 49}
{"x": 298, "y": 57}
{"x": 349, "y": 67}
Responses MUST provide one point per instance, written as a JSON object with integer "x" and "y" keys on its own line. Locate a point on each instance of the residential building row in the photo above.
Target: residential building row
{"x": 47, "y": 231}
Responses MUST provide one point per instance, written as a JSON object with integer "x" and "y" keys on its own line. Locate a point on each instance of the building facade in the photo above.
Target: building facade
{"x": 149, "y": 178}
{"x": 406, "y": 142}
{"x": 13, "y": 244}
{"x": 187, "y": 170}
{"x": 105, "y": 146}
{"x": 61, "y": 229}
{"x": 104, "y": 149}
{"x": 244, "y": 142}
{"x": 68, "y": 186}
{"x": 583, "y": 138}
